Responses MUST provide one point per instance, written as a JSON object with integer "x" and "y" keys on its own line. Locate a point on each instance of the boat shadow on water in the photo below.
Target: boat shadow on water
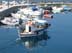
{"x": 31, "y": 42}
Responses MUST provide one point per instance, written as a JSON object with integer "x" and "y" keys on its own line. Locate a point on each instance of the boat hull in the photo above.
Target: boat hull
{"x": 36, "y": 33}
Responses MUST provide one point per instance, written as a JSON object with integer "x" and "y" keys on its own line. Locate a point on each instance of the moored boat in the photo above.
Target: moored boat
{"x": 31, "y": 12}
{"x": 33, "y": 28}
{"x": 9, "y": 21}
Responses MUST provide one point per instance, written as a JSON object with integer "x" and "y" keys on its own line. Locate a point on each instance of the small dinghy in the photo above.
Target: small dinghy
{"x": 10, "y": 21}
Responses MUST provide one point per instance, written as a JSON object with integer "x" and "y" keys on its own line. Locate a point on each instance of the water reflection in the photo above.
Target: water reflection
{"x": 31, "y": 42}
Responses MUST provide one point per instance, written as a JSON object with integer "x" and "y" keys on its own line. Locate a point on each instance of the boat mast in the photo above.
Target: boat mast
{"x": 8, "y": 3}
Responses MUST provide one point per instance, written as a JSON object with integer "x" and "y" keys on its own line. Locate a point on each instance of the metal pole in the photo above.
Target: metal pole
{"x": 8, "y": 3}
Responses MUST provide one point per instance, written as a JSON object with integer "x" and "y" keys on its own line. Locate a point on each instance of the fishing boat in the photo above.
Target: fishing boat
{"x": 33, "y": 28}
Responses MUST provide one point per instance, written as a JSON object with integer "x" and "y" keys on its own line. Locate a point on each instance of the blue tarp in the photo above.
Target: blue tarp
{"x": 34, "y": 8}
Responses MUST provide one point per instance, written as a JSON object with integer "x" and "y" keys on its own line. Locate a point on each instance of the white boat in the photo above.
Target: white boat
{"x": 10, "y": 21}
{"x": 31, "y": 12}
{"x": 36, "y": 29}
{"x": 57, "y": 9}
{"x": 27, "y": 12}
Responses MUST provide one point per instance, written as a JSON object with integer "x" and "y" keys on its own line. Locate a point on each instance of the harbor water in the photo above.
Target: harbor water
{"x": 57, "y": 40}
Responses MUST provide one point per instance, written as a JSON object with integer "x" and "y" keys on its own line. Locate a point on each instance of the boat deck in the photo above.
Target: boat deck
{"x": 26, "y": 35}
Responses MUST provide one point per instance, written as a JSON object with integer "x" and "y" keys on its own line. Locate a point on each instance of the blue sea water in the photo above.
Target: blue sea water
{"x": 59, "y": 38}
